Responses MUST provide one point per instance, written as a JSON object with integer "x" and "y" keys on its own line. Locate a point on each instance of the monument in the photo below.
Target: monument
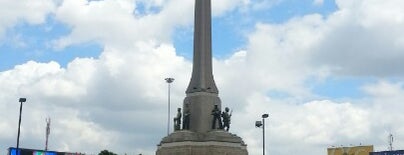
{"x": 203, "y": 131}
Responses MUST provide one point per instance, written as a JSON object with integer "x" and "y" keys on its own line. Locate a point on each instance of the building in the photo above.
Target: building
{"x": 355, "y": 150}
{"x": 396, "y": 152}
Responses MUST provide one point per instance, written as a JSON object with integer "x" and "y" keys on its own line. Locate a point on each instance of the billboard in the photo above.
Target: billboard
{"x": 355, "y": 150}
{"x": 397, "y": 152}
{"x": 13, "y": 151}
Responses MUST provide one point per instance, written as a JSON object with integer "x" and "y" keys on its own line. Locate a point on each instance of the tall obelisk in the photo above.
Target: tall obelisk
{"x": 200, "y": 138}
{"x": 202, "y": 77}
{"x": 202, "y": 93}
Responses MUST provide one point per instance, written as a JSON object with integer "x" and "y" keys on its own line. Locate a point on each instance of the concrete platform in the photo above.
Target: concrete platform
{"x": 217, "y": 142}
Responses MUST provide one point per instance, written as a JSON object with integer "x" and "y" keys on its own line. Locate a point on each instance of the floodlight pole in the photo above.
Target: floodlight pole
{"x": 263, "y": 132}
{"x": 169, "y": 81}
{"x": 48, "y": 121}
{"x": 21, "y": 100}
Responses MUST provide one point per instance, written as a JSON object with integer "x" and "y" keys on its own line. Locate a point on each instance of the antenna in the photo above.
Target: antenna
{"x": 391, "y": 139}
{"x": 48, "y": 121}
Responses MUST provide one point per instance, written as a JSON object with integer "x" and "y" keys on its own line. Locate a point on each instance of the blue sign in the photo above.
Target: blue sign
{"x": 13, "y": 151}
{"x": 397, "y": 152}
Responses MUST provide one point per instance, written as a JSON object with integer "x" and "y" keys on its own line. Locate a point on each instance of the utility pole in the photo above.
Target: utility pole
{"x": 391, "y": 139}
{"x": 48, "y": 121}
{"x": 262, "y": 124}
{"x": 169, "y": 81}
{"x": 21, "y": 100}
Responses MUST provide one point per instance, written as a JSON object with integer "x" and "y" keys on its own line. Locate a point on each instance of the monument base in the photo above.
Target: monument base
{"x": 212, "y": 143}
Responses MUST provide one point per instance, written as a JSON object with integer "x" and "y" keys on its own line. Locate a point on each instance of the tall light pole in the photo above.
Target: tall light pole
{"x": 48, "y": 121}
{"x": 259, "y": 124}
{"x": 169, "y": 81}
{"x": 21, "y": 100}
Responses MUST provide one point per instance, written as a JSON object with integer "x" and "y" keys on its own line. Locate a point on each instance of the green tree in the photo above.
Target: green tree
{"x": 106, "y": 152}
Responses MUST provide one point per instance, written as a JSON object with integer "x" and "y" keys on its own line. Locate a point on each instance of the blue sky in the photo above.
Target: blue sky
{"x": 26, "y": 42}
{"x": 229, "y": 31}
{"x": 327, "y": 71}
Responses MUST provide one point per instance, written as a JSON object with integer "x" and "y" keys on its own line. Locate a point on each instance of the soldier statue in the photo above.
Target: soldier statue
{"x": 216, "y": 117}
{"x": 226, "y": 119}
{"x": 177, "y": 120}
{"x": 185, "y": 121}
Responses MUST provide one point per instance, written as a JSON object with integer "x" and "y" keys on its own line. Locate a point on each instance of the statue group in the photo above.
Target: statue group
{"x": 221, "y": 120}
{"x": 217, "y": 118}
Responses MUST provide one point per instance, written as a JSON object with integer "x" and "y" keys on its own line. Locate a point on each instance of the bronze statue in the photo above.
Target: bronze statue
{"x": 177, "y": 120}
{"x": 185, "y": 121}
{"x": 216, "y": 117}
{"x": 226, "y": 119}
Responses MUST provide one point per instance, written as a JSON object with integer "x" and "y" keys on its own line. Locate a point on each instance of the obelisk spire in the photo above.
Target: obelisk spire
{"x": 202, "y": 93}
{"x": 202, "y": 77}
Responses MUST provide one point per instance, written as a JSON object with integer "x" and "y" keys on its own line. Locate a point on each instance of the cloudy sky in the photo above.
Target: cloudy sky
{"x": 328, "y": 72}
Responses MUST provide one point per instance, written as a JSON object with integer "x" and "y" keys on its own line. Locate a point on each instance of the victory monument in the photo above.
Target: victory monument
{"x": 205, "y": 127}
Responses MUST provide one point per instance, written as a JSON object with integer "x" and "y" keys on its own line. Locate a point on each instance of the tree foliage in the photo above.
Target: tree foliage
{"x": 106, "y": 152}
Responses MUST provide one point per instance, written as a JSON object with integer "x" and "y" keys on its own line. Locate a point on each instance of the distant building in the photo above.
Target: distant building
{"x": 355, "y": 150}
{"x": 396, "y": 152}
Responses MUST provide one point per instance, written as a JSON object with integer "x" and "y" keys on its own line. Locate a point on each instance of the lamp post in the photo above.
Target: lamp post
{"x": 169, "y": 81}
{"x": 259, "y": 124}
{"x": 21, "y": 100}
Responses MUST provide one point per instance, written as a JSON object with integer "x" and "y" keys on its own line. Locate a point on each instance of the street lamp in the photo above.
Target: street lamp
{"x": 259, "y": 124}
{"x": 21, "y": 100}
{"x": 169, "y": 81}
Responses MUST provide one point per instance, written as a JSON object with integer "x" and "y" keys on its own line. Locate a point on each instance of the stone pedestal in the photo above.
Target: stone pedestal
{"x": 216, "y": 142}
{"x": 200, "y": 106}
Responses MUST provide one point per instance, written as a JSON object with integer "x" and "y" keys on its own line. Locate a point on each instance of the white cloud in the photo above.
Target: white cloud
{"x": 277, "y": 55}
{"x": 384, "y": 89}
{"x": 119, "y": 99}
{"x": 102, "y": 21}
{"x": 284, "y": 57}
{"x": 114, "y": 22}
{"x": 92, "y": 99}
{"x": 308, "y": 128}
{"x": 311, "y": 127}
{"x": 363, "y": 38}
{"x": 221, "y": 7}
{"x": 31, "y": 12}
{"x": 318, "y": 2}
{"x": 387, "y": 117}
